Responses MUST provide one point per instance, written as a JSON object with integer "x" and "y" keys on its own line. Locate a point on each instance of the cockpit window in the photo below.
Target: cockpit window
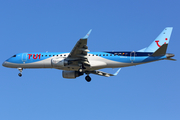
{"x": 14, "y": 56}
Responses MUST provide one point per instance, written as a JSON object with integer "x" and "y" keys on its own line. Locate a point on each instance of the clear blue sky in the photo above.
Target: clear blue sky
{"x": 145, "y": 92}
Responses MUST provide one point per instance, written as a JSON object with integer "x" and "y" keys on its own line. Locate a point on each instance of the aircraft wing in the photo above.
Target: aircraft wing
{"x": 80, "y": 50}
{"x": 97, "y": 72}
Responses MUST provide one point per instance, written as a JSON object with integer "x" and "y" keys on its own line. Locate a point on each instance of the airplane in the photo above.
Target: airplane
{"x": 81, "y": 61}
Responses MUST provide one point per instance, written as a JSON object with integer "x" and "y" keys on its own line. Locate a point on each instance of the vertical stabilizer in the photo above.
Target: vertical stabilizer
{"x": 163, "y": 38}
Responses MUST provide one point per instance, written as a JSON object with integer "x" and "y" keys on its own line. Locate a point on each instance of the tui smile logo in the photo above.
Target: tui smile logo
{"x": 157, "y": 42}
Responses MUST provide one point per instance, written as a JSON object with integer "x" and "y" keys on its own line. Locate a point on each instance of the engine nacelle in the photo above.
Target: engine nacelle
{"x": 59, "y": 62}
{"x": 71, "y": 74}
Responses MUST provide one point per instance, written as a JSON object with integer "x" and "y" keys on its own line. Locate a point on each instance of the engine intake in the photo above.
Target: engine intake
{"x": 71, "y": 74}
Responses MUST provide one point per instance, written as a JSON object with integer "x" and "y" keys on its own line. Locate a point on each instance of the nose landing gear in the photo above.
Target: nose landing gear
{"x": 20, "y": 70}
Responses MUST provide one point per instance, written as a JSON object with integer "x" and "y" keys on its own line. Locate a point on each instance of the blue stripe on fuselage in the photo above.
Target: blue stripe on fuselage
{"x": 125, "y": 57}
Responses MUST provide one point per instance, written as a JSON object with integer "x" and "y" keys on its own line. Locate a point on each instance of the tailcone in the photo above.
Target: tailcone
{"x": 169, "y": 57}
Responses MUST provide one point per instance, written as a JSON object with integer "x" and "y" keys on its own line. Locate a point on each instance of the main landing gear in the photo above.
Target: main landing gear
{"x": 20, "y": 70}
{"x": 81, "y": 70}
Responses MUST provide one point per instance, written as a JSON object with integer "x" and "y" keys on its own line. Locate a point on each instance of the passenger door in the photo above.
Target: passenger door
{"x": 24, "y": 57}
{"x": 132, "y": 56}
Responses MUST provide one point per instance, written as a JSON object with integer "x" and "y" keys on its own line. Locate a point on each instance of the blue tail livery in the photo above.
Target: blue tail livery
{"x": 81, "y": 61}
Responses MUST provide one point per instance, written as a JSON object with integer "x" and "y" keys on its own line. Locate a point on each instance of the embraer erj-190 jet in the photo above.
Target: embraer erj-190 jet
{"x": 80, "y": 61}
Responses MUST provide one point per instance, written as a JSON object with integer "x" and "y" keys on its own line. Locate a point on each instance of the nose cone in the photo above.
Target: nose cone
{"x": 4, "y": 64}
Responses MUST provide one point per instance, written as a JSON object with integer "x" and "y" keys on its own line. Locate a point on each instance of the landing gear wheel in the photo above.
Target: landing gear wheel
{"x": 19, "y": 74}
{"x": 88, "y": 79}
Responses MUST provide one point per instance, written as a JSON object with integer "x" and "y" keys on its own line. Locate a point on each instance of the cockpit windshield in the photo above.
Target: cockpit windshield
{"x": 14, "y": 56}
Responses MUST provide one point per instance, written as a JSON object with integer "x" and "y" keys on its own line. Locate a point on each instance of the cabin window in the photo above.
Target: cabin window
{"x": 14, "y": 56}
{"x": 49, "y": 55}
{"x": 64, "y": 55}
{"x": 99, "y": 54}
{"x": 46, "y": 55}
{"x": 42, "y": 55}
{"x": 106, "y": 54}
{"x": 96, "y": 54}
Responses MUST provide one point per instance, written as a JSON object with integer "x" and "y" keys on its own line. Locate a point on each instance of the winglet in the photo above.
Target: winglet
{"x": 117, "y": 72}
{"x": 87, "y": 35}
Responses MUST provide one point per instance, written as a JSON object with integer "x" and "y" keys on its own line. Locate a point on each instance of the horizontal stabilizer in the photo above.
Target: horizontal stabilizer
{"x": 161, "y": 51}
{"x": 171, "y": 59}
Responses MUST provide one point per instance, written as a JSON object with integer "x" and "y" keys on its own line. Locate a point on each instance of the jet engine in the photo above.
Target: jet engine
{"x": 59, "y": 62}
{"x": 71, "y": 74}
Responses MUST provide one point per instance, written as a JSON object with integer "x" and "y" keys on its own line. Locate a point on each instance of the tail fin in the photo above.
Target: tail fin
{"x": 163, "y": 38}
